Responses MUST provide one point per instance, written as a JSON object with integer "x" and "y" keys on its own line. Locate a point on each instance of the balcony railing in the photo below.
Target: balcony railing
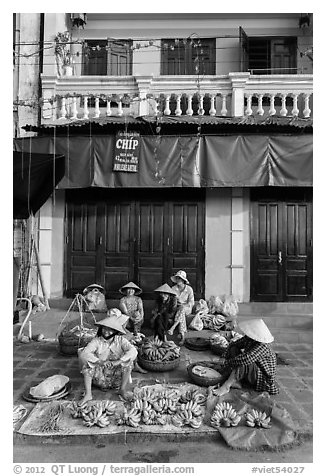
{"x": 237, "y": 94}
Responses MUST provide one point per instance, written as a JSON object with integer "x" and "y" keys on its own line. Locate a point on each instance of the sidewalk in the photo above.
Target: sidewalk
{"x": 34, "y": 361}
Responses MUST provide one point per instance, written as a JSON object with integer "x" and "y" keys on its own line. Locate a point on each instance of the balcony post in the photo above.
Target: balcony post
{"x": 238, "y": 84}
{"x": 144, "y": 87}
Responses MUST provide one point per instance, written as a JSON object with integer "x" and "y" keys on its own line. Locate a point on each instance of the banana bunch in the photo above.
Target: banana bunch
{"x": 224, "y": 415}
{"x": 150, "y": 395}
{"x": 130, "y": 417}
{"x": 77, "y": 410}
{"x": 256, "y": 418}
{"x": 156, "y": 350}
{"x": 141, "y": 405}
{"x": 149, "y": 417}
{"x": 189, "y": 413}
{"x": 165, "y": 405}
{"x": 94, "y": 415}
{"x": 193, "y": 394}
{"x": 218, "y": 320}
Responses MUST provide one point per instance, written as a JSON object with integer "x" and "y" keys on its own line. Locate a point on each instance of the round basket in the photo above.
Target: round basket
{"x": 205, "y": 381}
{"x": 197, "y": 343}
{"x": 69, "y": 343}
{"x": 217, "y": 349}
{"x": 158, "y": 366}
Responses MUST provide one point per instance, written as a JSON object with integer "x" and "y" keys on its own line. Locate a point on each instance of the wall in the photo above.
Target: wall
{"x": 227, "y": 263}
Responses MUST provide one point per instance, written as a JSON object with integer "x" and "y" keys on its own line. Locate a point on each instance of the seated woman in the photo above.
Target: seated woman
{"x": 107, "y": 360}
{"x": 251, "y": 360}
{"x": 132, "y": 306}
{"x": 186, "y": 301}
{"x": 164, "y": 312}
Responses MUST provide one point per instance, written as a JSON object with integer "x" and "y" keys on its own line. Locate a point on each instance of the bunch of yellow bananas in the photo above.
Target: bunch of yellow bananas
{"x": 156, "y": 350}
{"x": 257, "y": 418}
{"x": 189, "y": 413}
{"x": 95, "y": 413}
{"x": 193, "y": 394}
{"x": 130, "y": 417}
{"x": 224, "y": 415}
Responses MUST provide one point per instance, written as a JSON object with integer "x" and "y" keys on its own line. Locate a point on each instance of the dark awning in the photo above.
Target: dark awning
{"x": 35, "y": 175}
{"x": 184, "y": 161}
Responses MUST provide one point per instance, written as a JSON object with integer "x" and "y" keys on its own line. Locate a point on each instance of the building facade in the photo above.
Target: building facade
{"x": 221, "y": 108}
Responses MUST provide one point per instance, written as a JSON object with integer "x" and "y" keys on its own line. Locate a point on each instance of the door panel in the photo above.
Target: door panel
{"x": 281, "y": 247}
{"x": 82, "y": 256}
{"x": 118, "y": 245}
{"x": 186, "y": 243}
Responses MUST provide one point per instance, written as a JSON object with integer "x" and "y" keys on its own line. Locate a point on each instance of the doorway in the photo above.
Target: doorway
{"x": 281, "y": 244}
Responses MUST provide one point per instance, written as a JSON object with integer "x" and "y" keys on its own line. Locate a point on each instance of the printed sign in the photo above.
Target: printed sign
{"x": 126, "y": 152}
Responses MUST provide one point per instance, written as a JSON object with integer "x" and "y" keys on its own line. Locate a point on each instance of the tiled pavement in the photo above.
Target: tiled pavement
{"x": 34, "y": 361}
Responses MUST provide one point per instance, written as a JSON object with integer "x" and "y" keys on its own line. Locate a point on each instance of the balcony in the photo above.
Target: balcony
{"x": 73, "y": 98}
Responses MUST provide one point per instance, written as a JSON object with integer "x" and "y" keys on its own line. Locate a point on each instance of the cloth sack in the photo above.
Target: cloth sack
{"x": 49, "y": 386}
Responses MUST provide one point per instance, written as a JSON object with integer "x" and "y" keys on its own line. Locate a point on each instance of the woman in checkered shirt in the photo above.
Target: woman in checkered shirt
{"x": 251, "y": 360}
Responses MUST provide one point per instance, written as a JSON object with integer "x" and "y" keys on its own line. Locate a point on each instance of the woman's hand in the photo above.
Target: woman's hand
{"x": 115, "y": 363}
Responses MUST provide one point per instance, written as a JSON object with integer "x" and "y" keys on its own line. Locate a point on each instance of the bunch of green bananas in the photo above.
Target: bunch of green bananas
{"x": 224, "y": 415}
{"x": 94, "y": 413}
{"x": 257, "y": 418}
{"x": 156, "y": 350}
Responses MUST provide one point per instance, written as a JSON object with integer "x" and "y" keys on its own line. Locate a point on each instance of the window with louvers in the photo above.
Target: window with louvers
{"x": 188, "y": 56}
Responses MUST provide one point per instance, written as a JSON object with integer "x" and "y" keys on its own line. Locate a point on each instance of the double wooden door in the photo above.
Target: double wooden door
{"x": 143, "y": 236}
{"x": 281, "y": 245}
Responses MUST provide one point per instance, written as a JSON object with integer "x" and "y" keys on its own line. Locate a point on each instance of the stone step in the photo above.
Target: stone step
{"x": 276, "y": 308}
{"x": 299, "y": 322}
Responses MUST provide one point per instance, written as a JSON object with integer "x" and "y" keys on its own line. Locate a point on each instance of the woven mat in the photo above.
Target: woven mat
{"x": 282, "y": 434}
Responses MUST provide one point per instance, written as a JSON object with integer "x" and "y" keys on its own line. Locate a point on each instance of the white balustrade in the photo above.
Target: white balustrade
{"x": 265, "y": 95}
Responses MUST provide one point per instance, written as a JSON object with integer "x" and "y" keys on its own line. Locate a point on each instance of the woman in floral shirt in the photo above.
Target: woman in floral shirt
{"x": 107, "y": 360}
{"x": 186, "y": 301}
{"x": 132, "y": 305}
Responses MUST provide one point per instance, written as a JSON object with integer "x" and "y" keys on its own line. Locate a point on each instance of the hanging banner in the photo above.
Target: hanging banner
{"x": 126, "y": 152}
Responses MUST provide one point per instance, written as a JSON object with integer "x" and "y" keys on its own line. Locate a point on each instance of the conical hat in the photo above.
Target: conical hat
{"x": 165, "y": 288}
{"x": 93, "y": 286}
{"x": 132, "y": 285}
{"x": 257, "y": 330}
{"x": 114, "y": 320}
{"x": 180, "y": 274}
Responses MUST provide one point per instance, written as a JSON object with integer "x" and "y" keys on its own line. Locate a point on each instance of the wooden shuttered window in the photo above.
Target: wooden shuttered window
{"x": 183, "y": 57}
{"x": 107, "y": 58}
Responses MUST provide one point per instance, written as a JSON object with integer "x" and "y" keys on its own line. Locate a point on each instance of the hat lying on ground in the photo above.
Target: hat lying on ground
{"x": 114, "y": 320}
{"x": 49, "y": 386}
{"x": 180, "y": 274}
{"x": 131, "y": 285}
{"x": 165, "y": 288}
{"x": 257, "y": 330}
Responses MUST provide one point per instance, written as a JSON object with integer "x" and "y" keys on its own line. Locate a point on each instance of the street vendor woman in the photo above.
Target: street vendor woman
{"x": 132, "y": 306}
{"x": 164, "y": 311}
{"x": 186, "y": 301}
{"x": 250, "y": 360}
{"x": 107, "y": 360}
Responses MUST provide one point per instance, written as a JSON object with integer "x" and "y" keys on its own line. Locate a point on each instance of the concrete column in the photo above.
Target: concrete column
{"x": 237, "y": 244}
{"x": 45, "y": 244}
{"x": 144, "y": 87}
{"x": 238, "y": 84}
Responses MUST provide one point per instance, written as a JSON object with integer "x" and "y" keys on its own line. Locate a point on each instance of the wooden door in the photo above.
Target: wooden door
{"x": 113, "y": 239}
{"x": 281, "y": 246}
{"x": 82, "y": 242}
{"x": 186, "y": 242}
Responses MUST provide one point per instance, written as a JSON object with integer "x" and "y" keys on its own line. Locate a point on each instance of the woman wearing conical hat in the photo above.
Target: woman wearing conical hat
{"x": 107, "y": 360}
{"x": 164, "y": 311}
{"x": 132, "y": 306}
{"x": 186, "y": 301}
{"x": 251, "y": 360}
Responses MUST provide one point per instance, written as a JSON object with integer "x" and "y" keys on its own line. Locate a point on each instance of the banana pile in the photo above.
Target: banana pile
{"x": 96, "y": 413}
{"x": 224, "y": 415}
{"x": 259, "y": 419}
{"x": 152, "y": 407}
{"x": 158, "y": 351}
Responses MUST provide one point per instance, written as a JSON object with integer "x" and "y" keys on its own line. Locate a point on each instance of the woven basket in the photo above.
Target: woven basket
{"x": 205, "y": 381}
{"x": 69, "y": 343}
{"x": 217, "y": 349}
{"x": 158, "y": 366}
{"x": 197, "y": 343}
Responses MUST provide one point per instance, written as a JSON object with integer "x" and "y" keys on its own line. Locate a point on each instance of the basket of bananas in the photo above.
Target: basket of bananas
{"x": 158, "y": 356}
{"x": 219, "y": 344}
